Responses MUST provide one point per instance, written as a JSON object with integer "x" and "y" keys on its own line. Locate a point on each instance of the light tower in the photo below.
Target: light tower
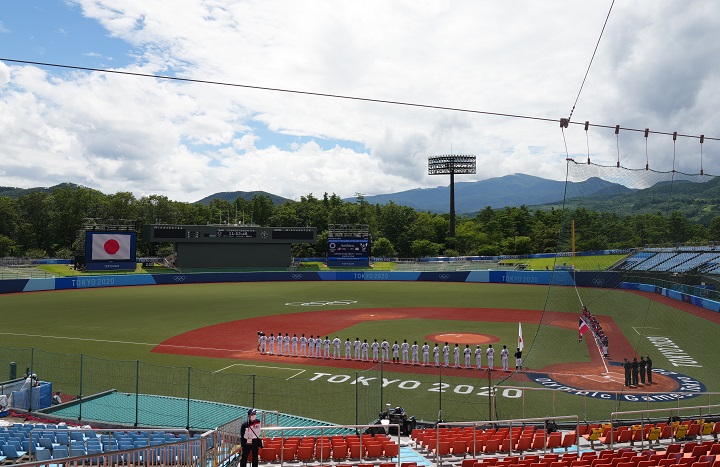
{"x": 451, "y": 164}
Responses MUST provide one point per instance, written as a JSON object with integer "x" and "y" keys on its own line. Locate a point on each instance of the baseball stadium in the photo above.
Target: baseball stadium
{"x": 181, "y": 357}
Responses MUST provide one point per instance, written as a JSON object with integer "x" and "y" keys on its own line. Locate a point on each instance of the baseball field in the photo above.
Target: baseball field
{"x": 200, "y": 340}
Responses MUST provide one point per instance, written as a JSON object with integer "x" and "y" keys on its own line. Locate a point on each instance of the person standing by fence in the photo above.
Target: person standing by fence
{"x": 250, "y": 441}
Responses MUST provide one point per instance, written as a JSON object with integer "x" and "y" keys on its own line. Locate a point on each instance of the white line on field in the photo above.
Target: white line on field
{"x": 640, "y": 327}
{"x": 112, "y": 341}
{"x": 298, "y": 372}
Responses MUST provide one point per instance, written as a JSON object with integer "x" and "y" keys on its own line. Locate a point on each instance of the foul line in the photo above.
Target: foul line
{"x": 112, "y": 341}
{"x": 298, "y": 372}
{"x": 641, "y": 327}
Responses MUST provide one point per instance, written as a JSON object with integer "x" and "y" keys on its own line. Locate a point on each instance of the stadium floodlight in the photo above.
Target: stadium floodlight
{"x": 452, "y": 164}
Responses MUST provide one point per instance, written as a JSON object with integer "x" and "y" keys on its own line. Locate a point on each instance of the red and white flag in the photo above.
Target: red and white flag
{"x": 110, "y": 247}
{"x": 582, "y": 329}
{"x": 521, "y": 344}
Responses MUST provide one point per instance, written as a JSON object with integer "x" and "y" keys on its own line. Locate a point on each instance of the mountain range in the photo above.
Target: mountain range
{"x": 697, "y": 201}
{"x": 498, "y": 192}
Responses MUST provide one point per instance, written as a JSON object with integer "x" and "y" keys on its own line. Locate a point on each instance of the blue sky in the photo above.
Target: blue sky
{"x": 186, "y": 141}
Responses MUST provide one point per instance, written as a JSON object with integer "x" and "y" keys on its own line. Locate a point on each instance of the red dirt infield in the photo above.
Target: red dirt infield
{"x": 238, "y": 340}
{"x": 463, "y": 338}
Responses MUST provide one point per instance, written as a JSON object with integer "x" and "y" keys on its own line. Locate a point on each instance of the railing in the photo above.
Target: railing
{"x": 226, "y": 439}
{"x": 509, "y": 423}
{"x": 617, "y": 398}
{"x": 670, "y": 412}
{"x": 185, "y": 453}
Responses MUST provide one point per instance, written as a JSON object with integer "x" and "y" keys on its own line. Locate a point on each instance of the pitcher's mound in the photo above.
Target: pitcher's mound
{"x": 464, "y": 338}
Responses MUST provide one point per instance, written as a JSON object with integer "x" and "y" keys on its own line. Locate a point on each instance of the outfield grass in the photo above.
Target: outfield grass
{"x": 113, "y": 324}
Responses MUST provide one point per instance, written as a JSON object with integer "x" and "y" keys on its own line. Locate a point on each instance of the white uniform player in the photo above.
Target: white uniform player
{"x": 490, "y": 356}
{"x": 311, "y": 346}
{"x": 286, "y": 344}
{"x": 294, "y": 345}
{"x": 468, "y": 356}
{"x": 364, "y": 350}
{"x": 271, "y": 345}
{"x": 303, "y": 346}
{"x": 263, "y": 344}
{"x": 356, "y": 346}
{"x": 404, "y": 347}
{"x": 436, "y": 355}
{"x": 318, "y": 346}
{"x": 326, "y": 347}
{"x": 395, "y": 352}
{"x": 456, "y": 356}
{"x": 375, "y": 350}
{"x": 348, "y": 347}
{"x": 279, "y": 341}
{"x": 336, "y": 347}
{"x": 385, "y": 349}
{"x": 478, "y": 357}
{"x": 446, "y": 355}
{"x": 504, "y": 358}
{"x": 414, "y": 349}
{"x": 426, "y": 354}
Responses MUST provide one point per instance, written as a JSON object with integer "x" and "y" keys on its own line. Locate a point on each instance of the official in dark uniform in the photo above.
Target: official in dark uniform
{"x": 250, "y": 439}
{"x": 627, "y": 366}
{"x": 648, "y": 368}
{"x": 635, "y": 368}
{"x": 641, "y": 366}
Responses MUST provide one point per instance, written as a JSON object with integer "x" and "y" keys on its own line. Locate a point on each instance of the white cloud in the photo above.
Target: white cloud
{"x": 654, "y": 69}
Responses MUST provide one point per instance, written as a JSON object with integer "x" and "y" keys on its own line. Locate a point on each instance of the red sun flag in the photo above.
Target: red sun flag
{"x": 582, "y": 329}
{"x": 110, "y": 247}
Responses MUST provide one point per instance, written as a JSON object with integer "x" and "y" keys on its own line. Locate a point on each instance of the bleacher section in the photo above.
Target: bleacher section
{"x": 691, "y": 442}
{"x": 676, "y": 260}
{"x": 26, "y": 442}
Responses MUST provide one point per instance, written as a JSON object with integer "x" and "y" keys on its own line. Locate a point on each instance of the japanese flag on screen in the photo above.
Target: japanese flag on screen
{"x": 110, "y": 246}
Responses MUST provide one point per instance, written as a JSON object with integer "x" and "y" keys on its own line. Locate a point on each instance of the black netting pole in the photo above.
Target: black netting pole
{"x": 381, "y": 386}
{"x": 356, "y": 398}
{"x": 81, "y": 388}
{"x": 137, "y": 390}
{"x": 440, "y": 397}
{"x": 187, "y": 427}
{"x": 253, "y": 391}
{"x": 32, "y": 360}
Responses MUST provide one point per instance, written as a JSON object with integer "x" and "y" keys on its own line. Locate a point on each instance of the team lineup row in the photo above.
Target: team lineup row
{"x": 317, "y": 347}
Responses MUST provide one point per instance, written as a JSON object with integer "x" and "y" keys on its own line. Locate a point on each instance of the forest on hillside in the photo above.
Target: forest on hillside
{"x": 46, "y": 224}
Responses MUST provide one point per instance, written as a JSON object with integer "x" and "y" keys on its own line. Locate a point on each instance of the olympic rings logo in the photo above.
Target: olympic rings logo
{"x": 444, "y": 277}
{"x": 297, "y": 276}
{"x": 179, "y": 278}
{"x": 322, "y": 303}
{"x": 598, "y": 282}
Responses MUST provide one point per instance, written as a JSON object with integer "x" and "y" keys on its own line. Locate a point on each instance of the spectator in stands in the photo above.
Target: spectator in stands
{"x": 250, "y": 439}
{"x": 57, "y": 400}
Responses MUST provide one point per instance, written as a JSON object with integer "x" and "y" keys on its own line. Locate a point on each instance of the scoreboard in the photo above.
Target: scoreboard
{"x": 229, "y": 246}
{"x": 227, "y": 234}
{"x": 349, "y": 252}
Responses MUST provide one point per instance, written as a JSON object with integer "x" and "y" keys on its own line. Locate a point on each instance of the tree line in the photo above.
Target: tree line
{"x": 47, "y": 224}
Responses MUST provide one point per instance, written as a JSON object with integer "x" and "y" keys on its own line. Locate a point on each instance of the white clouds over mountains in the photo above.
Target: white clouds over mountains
{"x": 654, "y": 68}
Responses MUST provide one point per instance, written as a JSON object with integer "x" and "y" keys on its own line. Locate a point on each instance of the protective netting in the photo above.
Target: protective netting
{"x": 662, "y": 233}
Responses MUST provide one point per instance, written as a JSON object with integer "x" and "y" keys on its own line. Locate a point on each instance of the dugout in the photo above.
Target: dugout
{"x": 230, "y": 246}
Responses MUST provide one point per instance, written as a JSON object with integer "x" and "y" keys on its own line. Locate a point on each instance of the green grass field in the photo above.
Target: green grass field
{"x": 115, "y": 330}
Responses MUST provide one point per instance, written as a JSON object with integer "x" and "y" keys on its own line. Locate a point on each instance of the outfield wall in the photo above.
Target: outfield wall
{"x": 594, "y": 279}
{"x": 604, "y": 279}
